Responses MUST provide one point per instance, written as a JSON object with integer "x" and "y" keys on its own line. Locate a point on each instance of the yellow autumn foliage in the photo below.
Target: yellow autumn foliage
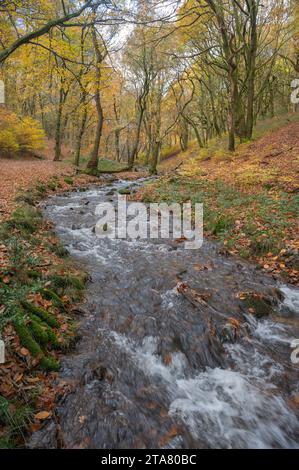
{"x": 19, "y": 134}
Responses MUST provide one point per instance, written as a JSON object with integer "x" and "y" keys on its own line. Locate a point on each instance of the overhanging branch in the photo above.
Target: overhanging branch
{"x": 45, "y": 29}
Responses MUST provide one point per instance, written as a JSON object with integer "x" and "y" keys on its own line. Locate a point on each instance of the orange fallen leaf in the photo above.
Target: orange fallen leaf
{"x": 19, "y": 377}
{"x": 173, "y": 432}
{"x": 242, "y": 296}
{"x": 296, "y": 400}
{"x": 234, "y": 322}
{"x": 167, "y": 359}
{"x": 32, "y": 380}
{"x": 42, "y": 415}
{"x": 35, "y": 427}
{"x": 24, "y": 352}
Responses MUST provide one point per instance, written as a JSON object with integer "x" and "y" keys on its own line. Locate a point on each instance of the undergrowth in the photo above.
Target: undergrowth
{"x": 35, "y": 298}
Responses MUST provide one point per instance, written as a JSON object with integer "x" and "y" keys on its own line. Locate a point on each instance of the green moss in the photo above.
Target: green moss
{"x": 50, "y": 334}
{"x": 41, "y": 188}
{"x": 124, "y": 191}
{"x": 39, "y": 332}
{"x": 258, "y": 304}
{"x": 221, "y": 224}
{"x": 111, "y": 166}
{"x": 52, "y": 185}
{"x": 59, "y": 250}
{"x": 25, "y": 218}
{"x": 41, "y": 313}
{"x": 32, "y": 274}
{"x": 51, "y": 295}
{"x": 92, "y": 172}
{"x": 62, "y": 282}
{"x": 53, "y": 339}
{"x": 68, "y": 180}
{"x": 50, "y": 364}
{"x": 36, "y": 328}
{"x": 27, "y": 340}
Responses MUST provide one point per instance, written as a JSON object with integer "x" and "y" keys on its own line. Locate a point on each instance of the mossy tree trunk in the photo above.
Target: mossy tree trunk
{"x": 80, "y": 137}
{"x": 100, "y": 56}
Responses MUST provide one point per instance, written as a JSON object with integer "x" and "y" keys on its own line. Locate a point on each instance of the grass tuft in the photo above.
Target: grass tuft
{"x": 25, "y": 219}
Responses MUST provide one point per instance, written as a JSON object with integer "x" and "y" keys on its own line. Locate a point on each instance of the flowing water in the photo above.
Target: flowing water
{"x": 159, "y": 369}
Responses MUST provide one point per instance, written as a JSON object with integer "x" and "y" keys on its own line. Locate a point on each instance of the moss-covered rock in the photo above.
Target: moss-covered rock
{"x": 125, "y": 191}
{"x": 41, "y": 313}
{"x": 38, "y": 331}
{"x": 49, "y": 294}
{"x": 69, "y": 180}
{"x": 258, "y": 304}
{"x": 48, "y": 335}
{"x": 27, "y": 340}
{"x": 50, "y": 364}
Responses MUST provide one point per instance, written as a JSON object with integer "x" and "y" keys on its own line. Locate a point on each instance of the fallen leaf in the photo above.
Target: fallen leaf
{"x": 32, "y": 380}
{"x": 42, "y": 415}
{"x": 24, "y": 352}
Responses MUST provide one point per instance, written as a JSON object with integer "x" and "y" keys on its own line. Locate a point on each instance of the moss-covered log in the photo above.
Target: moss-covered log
{"x": 41, "y": 313}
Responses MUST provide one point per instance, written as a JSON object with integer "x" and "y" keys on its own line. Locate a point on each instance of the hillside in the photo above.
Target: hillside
{"x": 250, "y": 197}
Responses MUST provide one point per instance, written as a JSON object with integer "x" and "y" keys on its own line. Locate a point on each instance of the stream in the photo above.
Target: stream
{"x": 156, "y": 366}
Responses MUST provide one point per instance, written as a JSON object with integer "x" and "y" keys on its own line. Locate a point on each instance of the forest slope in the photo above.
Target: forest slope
{"x": 250, "y": 197}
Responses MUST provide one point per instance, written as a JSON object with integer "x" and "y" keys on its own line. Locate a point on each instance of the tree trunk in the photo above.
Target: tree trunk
{"x": 117, "y": 131}
{"x": 80, "y": 137}
{"x": 252, "y": 69}
{"x": 117, "y": 144}
{"x": 196, "y": 131}
{"x": 155, "y": 157}
{"x": 94, "y": 160}
{"x": 184, "y": 137}
{"x": 57, "y": 156}
{"x": 231, "y": 116}
{"x": 134, "y": 153}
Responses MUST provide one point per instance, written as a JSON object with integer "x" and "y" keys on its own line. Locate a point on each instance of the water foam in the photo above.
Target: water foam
{"x": 291, "y": 298}
{"x": 222, "y": 408}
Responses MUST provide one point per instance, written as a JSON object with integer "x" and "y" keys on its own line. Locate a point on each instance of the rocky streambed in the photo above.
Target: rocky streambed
{"x": 179, "y": 348}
